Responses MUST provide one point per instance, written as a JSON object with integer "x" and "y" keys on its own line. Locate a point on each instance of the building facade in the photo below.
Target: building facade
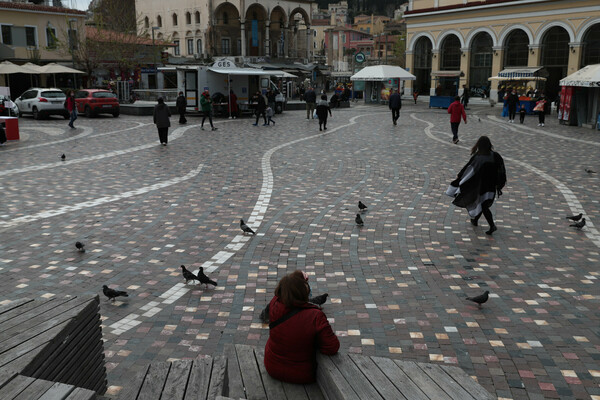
{"x": 482, "y": 38}
{"x": 238, "y": 28}
{"x": 342, "y": 43}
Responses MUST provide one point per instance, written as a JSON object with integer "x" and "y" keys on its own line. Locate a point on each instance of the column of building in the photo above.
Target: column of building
{"x": 497, "y": 65}
{"x": 435, "y": 66}
{"x": 465, "y": 58}
{"x": 409, "y": 86}
{"x": 267, "y": 38}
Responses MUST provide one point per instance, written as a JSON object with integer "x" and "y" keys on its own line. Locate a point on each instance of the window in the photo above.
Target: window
{"x": 314, "y": 33}
{"x": 239, "y": 46}
{"x": 190, "y": 46}
{"x": 174, "y": 19}
{"x": 450, "y": 50}
{"x": 188, "y": 18}
{"x": 197, "y": 17}
{"x": 225, "y": 49}
{"x": 199, "y": 46}
{"x": 146, "y": 23}
{"x": 225, "y": 18}
{"x": 516, "y": 51}
{"x": 176, "y": 47}
{"x": 51, "y": 37}
{"x": 7, "y": 34}
{"x": 159, "y": 21}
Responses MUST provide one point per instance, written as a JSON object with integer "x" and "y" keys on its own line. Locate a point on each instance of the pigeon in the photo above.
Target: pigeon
{"x": 63, "y": 157}
{"x": 264, "y": 315}
{"x": 319, "y": 300}
{"x": 482, "y": 298}
{"x": 80, "y": 246}
{"x": 589, "y": 171}
{"x": 478, "y": 119}
{"x": 361, "y": 205}
{"x": 246, "y": 228}
{"x": 187, "y": 275}
{"x": 112, "y": 293}
{"x": 575, "y": 217}
{"x": 359, "y": 220}
{"x": 205, "y": 279}
{"x": 579, "y": 224}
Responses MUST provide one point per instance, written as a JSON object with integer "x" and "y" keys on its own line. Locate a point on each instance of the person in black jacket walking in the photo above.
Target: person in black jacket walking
{"x": 311, "y": 98}
{"x": 261, "y": 107}
{"x": 512, "y": 100}
{"x": 322, "y": 111}
{"x": 161, "y": 119}
{"x": 181, "y": 105}
{"x": 395, "y": 104}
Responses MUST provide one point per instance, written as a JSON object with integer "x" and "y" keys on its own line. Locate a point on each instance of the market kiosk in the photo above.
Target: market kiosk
{"x": 446, "y": 88}
{"x": 521, "y": 79}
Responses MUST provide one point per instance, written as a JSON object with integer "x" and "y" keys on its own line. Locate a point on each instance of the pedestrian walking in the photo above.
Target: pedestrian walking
{"x": 261, "y": 108}
{"x": 162, "y": 120}
{"x": 522, "y": 113}
{"x": 311, "y": 98}
{"x": 322, "y": 110}
{"x": 181, "y": 104}
{"x": 476, "y": 185}
{"x": 71, "y": 106}
{"x": 206, "y": 106}
{"x": 415, "y": 95}
{"x": 512, "y": 100}
{"x": 540, "y": 109}
{"x": 233, "y": 105}
{"x": 456, "y": 111}
{"x": 269, "y": 111}
{"x": 271, "y": 98}
{"x": 395, "y": 104}
{"x": 465, "y": 96}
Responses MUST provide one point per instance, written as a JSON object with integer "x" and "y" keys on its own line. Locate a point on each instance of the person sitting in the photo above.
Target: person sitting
{"x": 334, "y": 101}
{"x": 297, "y": 330}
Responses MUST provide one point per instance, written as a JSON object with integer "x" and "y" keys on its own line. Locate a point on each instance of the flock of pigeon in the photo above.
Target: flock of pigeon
{"x": 579, "y": 221}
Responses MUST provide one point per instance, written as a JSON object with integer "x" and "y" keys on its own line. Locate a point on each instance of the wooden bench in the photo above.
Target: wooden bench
{"x": 18, "y": 387}
{"x": 56, "y": 340}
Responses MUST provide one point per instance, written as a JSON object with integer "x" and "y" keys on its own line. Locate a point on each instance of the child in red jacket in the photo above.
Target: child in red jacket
{"x": 297, "y": 330}
{"x": 456, "y": 110}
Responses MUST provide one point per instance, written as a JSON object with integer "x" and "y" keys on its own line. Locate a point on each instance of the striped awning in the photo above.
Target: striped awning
{"x": 523, "y": 72}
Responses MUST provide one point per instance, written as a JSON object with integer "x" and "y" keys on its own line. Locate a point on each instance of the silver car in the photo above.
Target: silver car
{"x": 42, "y": 102}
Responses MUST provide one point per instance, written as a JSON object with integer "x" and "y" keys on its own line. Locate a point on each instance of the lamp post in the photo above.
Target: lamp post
{"x": 154, "y": 56}
{"x": 72, "y": 48}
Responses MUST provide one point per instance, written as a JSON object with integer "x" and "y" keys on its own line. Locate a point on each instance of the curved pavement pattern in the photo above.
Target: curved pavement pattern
{"x": 397, "y": 285}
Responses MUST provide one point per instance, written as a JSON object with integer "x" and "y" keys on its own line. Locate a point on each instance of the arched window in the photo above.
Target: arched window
{"x": 422, "y": 65}
{"x": 555, "y": 58}
{"x": 481, "y": 62}
{"x": 199, "y": 46}
{"x": 146, "y": 23}
{"x": 225, "y": 18}
{"x": 516, "y": 49}
{"x": 197, "y": 17}
{"x": 174, "y": 19}
{"x": 450, "y": 50}
{"x": 159, "y": 21}
{"x": 591, "y": 46}
{"x": 188, "y": 18}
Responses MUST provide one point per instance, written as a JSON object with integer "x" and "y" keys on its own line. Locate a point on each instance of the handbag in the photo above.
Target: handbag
{"x": 539, "y": 106}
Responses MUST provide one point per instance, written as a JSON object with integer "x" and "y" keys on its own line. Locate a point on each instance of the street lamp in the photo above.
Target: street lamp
{"x": 72, "y": 47}
{"x": 154, "y": 28}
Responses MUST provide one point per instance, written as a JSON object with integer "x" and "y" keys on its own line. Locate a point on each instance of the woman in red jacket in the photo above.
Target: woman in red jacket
{"x": 456, "y": 110}
{"x": 298, "y": 329}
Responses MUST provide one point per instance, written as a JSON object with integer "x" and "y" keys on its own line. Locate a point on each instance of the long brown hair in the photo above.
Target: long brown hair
{"x": 292, "y": 289}
{"x": 482, "y": 146}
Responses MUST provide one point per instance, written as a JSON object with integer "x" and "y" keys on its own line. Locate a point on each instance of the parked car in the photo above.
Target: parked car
{"x": 42, "y": 102}
{"x": 92, "y": 102}
{"x": 6, "y": 109}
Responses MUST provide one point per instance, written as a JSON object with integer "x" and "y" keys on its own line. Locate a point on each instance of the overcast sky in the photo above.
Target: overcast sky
{"x": 77, "y": 4}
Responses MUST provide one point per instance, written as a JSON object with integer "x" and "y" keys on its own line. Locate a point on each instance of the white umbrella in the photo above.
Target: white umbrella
{"x": 54, "y": 68}
{"x": 379, "y": 73}
{"x": 7, "y": 68}
{"x": 588, "y": 76}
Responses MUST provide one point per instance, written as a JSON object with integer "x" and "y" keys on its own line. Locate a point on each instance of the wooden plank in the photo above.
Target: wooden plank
{"x": 400, "y": 380}
{"x": 15, "y": 386}
{"x": 177, "y": 380}
{"x": 331, "y": 381}
{"x": 294, "y": 391}
{"x": 445, "y": 381}
{"x": 13, "y": 305}
{"x": 134, "y": 385}
{"x": 234, "y": 376}
{"x": 273, "y": 387}
{"x": 376, "y": 378}
{"x": 81, "y": 394}
{"x": 155, "y": 381}
{"x": 199, "y": 379}
{"x": 11, "y": 313}
{"x": 35, "y": 390}
{"x": 422, "y": 380}
{"x": 355, "y": 377}
{"x": 314, "y": 391}
{"x": 76, "y": 372}
{"x": 468, "y": 383}
{"x": 58, "y": 391}
{"x": 250, "y": 373}
{"x": 6, "y": 376}
{"x": 93, "y": 370}
{"x": 218, "y": 378}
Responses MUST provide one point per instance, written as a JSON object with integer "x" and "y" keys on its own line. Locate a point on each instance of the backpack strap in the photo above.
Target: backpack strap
{"x": 285, "y": 317}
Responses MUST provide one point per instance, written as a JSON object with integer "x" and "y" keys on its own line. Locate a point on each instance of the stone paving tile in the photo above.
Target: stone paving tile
{"x": 396, "y": 285}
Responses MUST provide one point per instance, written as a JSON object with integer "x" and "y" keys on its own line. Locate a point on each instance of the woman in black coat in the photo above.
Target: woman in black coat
{"x": 162, "y": 121}
{"x": 478, "y": 182}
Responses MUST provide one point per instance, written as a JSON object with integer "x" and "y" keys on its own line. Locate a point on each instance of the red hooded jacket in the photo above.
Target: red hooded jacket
{"x": 456, "y": 110}
{"x": 290, "y": 353}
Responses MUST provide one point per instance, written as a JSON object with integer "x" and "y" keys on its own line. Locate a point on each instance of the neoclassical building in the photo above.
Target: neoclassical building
{"x": 269, "y": 28}
{"x": 481, "y": 38}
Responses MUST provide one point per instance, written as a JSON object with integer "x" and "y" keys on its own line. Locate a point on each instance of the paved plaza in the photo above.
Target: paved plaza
{"x": 397, "y": 286}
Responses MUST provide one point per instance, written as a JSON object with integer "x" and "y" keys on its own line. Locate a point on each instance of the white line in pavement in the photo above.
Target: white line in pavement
{"x": 590, "y": 230}
{"x": 4, "y": 225}
{"x": 254, "y": 221}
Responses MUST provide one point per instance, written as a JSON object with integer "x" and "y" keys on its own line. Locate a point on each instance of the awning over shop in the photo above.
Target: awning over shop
{"x": 523, "y": 72}
{"x": 588, "y": 76}
{"x": 531, "y": 78}
{"x": 239, "y": 71}
{"x": 378, "y": 73}
{"x": 6, "y": 67}
{"x": 281, "y": 74}
{"x": 447, "y": 74}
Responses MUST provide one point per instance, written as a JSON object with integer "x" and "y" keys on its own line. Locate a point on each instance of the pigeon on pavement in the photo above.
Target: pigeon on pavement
{"x": 187, "y": 275}
{"x": 359, "y": 221}
{"x": 579, "y": 224}
{"x": 482, "y": 298}
{"x": 205, "y": 279}
{"x": 361, "y": 205}
{"x": 575, "y": 217}
{"x": 319, "y": 300}
{"x": 589, "y": 171}
{"x": 63, "y": 157}
{"x": 80, "y": 246}
{"x": 112, "y": 293}
{"x": 246, "y": 228}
